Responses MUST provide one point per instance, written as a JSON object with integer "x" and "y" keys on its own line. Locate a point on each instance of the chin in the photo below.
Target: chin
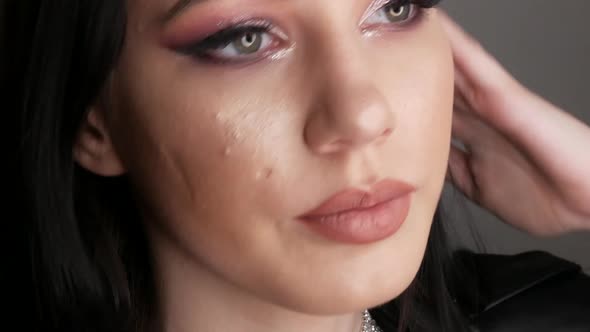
{"x": 372, "y": 275}
{"x": 353, "y": 287}
{"x": 342, "y": 297}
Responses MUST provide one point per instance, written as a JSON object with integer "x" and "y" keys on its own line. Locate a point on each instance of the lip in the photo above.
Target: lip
{"x": 359, "y": 216}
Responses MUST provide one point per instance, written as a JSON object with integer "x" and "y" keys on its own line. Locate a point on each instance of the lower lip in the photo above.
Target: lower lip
{"x": 360, "y": 226}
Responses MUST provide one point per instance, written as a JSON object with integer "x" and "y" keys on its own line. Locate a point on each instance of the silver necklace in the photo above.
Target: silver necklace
{"x": 369, "y": 324}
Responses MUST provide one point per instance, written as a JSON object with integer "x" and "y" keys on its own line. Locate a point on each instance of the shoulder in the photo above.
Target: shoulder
{"x": 532, "y": 291}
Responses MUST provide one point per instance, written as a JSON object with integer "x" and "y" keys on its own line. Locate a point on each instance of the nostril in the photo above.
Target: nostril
{"x": 337, "y": 145}
{"x": 384, "y": 136}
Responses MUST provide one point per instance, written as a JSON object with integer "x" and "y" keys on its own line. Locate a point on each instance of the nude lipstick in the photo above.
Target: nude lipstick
{"x": 358, "y": 216}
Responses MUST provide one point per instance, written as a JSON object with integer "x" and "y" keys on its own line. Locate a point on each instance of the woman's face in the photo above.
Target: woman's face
{"x": 230, "y": 139}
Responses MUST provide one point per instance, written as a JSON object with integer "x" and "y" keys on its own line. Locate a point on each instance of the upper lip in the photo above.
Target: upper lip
{"x": 355, "y": 199}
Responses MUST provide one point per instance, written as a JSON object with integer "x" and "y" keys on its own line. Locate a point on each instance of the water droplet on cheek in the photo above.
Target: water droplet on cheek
{"x": 236, "y": 135}
{"x": 264, "y": 173}
{"x": 268, "y": 173}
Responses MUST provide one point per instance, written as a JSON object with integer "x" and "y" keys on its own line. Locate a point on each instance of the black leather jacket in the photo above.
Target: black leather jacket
{"x": 529, "y": 292}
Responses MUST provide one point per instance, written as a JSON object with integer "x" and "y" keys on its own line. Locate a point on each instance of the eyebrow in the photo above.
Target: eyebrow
{"x": 178, "y": 8}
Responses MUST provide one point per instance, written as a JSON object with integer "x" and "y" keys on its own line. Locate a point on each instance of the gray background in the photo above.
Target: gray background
{"x": 546, "y": 45}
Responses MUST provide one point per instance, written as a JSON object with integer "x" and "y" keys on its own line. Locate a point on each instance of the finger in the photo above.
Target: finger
{"x": 465, "y": 93}
{"x": 460, "y": 103}
{"x": 477, "y": 66}
{"x": 459, "y": 172}
{"x": 472, "y": 129}
{"x": 462, "y": 85}
{"x": 465, "y": 127}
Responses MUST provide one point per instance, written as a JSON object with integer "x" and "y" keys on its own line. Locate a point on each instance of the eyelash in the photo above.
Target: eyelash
{"x": 201, "y": 49}
{"x": 227, "y": 35}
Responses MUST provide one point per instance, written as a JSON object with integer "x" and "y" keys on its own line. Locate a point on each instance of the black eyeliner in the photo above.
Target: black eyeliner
{"x": 223, "y": 38}
{"x": 425, "y": 3}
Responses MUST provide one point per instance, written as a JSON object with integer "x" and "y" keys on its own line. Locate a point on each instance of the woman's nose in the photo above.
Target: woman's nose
{"x": 349, "y": 112}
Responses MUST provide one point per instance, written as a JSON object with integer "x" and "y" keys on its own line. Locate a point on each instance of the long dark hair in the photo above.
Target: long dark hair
{"x": 90, "y": 268}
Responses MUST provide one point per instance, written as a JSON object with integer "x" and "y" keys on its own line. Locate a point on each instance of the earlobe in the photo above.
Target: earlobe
{"x": 93, "y": 148}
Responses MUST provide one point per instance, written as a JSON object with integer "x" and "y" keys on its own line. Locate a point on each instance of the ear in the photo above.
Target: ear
{"x": 93, "y": 148}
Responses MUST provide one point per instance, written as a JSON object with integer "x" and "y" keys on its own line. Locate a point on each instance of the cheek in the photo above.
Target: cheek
{"x": 207, "y": 156}
{"x": 418, "y": 83}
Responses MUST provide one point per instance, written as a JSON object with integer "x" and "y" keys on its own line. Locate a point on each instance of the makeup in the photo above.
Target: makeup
{"x": 220, "y": 38}
{"x": 358, "y": 216}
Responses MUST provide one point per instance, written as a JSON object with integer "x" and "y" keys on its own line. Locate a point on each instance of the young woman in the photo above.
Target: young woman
{"x": 266, "y": 165}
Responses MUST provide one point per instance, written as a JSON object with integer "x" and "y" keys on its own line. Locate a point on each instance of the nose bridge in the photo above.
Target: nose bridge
{"x": 342, "y": 59}
{"x": 349, "y": 109}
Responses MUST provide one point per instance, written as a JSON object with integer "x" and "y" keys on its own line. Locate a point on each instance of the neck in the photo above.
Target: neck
{"x": 192, "y": 298}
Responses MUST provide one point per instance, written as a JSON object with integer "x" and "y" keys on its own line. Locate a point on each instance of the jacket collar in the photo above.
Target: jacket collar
{"x": 495, "y": 279}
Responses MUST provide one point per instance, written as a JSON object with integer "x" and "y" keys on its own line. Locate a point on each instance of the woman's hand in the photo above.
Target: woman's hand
{"x": 525, "y": 160}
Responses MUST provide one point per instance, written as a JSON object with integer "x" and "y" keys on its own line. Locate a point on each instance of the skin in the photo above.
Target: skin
{"x": 520, "y": 147}
{"x": 225, "y": 157}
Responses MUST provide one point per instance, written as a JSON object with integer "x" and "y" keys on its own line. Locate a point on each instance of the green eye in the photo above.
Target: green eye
{"x": 397, "y": 13}
{"x": 248, "y": 43}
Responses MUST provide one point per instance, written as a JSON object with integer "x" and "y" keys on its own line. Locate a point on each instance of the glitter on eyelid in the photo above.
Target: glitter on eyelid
{"x": 373, "y": 7}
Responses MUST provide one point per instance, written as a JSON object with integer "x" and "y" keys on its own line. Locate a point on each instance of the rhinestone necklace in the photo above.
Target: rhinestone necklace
{"x": 369, "y": 324}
